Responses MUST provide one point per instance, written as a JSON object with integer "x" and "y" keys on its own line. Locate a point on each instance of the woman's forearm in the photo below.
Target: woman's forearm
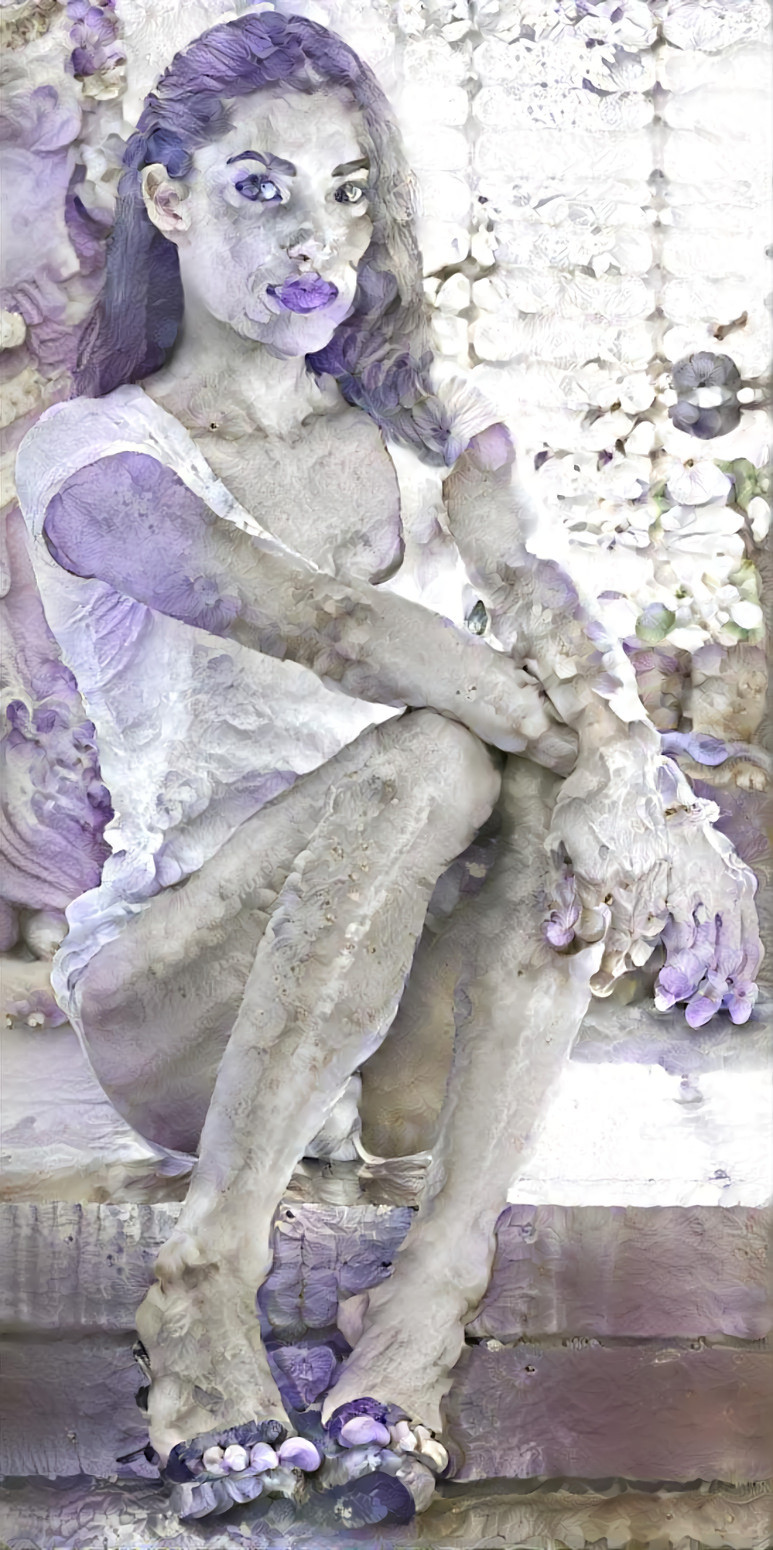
{"x": 381, "y": 647}
{"x": 133, "y": 524}
{"x": 534, "y": 606}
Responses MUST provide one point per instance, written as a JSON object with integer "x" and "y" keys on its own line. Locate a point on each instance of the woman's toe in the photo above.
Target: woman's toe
{"x": 216, "y": 1470}
{"x": 378, "y": 1465}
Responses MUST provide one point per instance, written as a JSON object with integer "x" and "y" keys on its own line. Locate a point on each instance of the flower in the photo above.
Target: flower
{"x": 695, "y": 483}
{"x": 758, "y": 512}
{"x": 705, "y": 423}
{"x": 704, "y": 370}
{"x": 628, "y": 23}
{"x": 706, "y": 405}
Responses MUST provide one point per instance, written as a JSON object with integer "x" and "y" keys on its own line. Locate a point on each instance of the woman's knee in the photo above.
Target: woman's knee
{"x": 455, "y": 766}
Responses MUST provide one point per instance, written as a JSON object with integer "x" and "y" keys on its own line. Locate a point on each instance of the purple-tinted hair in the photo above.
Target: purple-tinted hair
{"x": 380, "y": 354}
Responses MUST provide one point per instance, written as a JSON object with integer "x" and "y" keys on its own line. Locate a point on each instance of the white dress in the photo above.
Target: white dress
{"x": 195, "y": 732}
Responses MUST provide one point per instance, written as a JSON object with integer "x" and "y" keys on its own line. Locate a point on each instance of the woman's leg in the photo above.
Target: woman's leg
{"x": 404, "y": 1082}
{"x": 517, "y": 1006}
{"x": 157, "y": 1004}
{"x": 323, "y": 987}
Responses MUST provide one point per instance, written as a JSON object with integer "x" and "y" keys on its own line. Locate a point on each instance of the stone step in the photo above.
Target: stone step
{"x": 135, "y": 1515}
{"x": 589, "y": 1410}
{"x": 657, "y": 1272}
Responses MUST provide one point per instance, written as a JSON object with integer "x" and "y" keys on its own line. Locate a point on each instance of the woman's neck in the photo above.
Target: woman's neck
{"x": 217, "y": 381}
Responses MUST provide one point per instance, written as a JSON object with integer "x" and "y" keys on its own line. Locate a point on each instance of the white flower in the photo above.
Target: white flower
{"x": 628, "y": 23}
{"x": 602, "y": 434}
{"x": 636, "y": 392}
{"x": 701, "y": 519}
{"x": 748, "y": 616}
{"x": 454, "y": 293}
{"x": 611, "y": 523}
{"x": 758, "y": 512}
{"x": 619, "y": 614}
{"x": 696, "y": 483}
{"x": 625, "y": 478}
{"x": 687, "y": 637}
{"x": 482, "y": 248}
{"x": 641, "y": 439}
{"x": 566, "y": 476}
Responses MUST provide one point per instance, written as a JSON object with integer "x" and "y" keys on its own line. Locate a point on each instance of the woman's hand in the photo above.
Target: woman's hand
{"x": 505, "y": 706}
{"x": 641, "y": 862}
{"x": 712, "y": 942}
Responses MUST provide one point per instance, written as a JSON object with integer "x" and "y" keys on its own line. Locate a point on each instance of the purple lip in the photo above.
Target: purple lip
{"x": 306, "y": 294}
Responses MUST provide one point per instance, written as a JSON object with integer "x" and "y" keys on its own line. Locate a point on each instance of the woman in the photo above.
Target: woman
{"x": 208, "y": 546}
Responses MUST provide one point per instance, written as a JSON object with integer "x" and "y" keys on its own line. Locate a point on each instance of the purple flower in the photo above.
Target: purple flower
{"x": 705, "y": 423}
{"x": 691, "y": 376}
{"x": 492, "y": 448}
{"x": 700, "y": 1010}
{"x": 306, "y": 294}
{"x": 740, "y": 999}
{"x": 704, "y": 369}
{"x": 164, "y": 146}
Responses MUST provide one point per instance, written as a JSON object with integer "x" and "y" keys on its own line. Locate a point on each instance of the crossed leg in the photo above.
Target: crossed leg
{"x": 289, "y": 1027}
{"x": 517, "y": 1007}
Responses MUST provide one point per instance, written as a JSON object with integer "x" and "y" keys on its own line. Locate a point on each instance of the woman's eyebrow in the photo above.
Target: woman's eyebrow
{"x": 351, "y": 166}
{"x": 269, "y": 161}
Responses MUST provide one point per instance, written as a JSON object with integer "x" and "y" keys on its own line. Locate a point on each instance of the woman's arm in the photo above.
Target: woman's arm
{"x": 130, "y": 521}
{"x": 534, "y": 606}
{"x": 637, "y": 853}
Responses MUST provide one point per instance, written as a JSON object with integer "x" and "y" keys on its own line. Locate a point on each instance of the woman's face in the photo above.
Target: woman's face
{"x": 272, "y": 222}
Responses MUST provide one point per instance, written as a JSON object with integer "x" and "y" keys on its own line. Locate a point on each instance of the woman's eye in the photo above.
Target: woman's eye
{"x": 350, "y": 193}
{"x": 257, "y": 186}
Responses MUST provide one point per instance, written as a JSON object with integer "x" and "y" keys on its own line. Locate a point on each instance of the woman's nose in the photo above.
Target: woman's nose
{"x": 303, "y": 245}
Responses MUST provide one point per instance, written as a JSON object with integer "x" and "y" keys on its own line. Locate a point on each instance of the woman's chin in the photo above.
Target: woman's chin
{"x": 294, "y": 333}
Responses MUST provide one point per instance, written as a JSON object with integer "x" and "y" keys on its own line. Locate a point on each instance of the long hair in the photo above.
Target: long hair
{"x": 380, "y": 355}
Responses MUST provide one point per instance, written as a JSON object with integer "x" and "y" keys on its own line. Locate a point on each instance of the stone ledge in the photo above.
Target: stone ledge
{"x": 95, "y": 1515}
{"x": 644, "y": 1411}
{"x": 592, "y": 1411}
{"x": 584, "y": 1270}
{"x": 654, "y": 1272}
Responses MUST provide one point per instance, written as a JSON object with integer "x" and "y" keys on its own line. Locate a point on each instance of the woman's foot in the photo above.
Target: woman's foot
{"x": 379, "y": 1467}
{"x": 218, "y": 1428}
{"x": 215, "y": 1471}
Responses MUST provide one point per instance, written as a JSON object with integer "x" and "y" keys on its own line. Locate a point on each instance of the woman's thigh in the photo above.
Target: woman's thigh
{"x": 157, "y": 1004}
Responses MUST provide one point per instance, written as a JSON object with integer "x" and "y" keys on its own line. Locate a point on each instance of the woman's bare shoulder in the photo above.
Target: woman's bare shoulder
{"x": 81, "y": 432}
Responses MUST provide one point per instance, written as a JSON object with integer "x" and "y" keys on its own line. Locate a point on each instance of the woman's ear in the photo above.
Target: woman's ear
{"x": 166, "y": 201}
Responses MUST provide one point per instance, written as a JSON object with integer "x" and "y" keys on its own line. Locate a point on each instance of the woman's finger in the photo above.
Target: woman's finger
{"x": 562, "y": 919}
{"x": 686, "y": 967}
{"x": 617, "y": 946}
